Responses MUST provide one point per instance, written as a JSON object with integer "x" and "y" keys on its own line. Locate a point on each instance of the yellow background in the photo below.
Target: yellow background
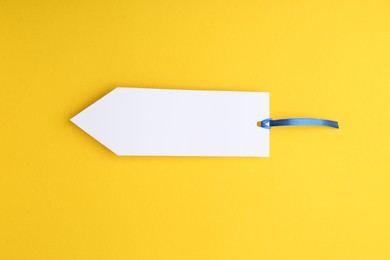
{"x": 323, "y": 193}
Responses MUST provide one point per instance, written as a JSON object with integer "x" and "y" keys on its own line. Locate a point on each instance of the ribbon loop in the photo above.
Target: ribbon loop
{"x": 269, "y": 123}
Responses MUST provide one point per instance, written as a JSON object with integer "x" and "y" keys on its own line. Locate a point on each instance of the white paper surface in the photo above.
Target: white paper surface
{"x": 165, "y": 122}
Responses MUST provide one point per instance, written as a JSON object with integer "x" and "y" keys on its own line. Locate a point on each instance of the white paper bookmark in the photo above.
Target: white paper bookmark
{"x": 165, "y": 122}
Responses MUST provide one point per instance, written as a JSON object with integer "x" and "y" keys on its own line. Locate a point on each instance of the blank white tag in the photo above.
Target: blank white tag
{"x": 165, "y": 122}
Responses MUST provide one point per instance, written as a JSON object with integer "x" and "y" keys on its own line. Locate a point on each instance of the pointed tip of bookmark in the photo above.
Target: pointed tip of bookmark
{"x": 266, "y": 123}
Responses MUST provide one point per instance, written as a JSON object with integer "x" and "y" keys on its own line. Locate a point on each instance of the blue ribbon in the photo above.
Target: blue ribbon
{"x": 268, "y": 123}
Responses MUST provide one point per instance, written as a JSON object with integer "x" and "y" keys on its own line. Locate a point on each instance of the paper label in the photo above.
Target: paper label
{"x": 166, "y": 122}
